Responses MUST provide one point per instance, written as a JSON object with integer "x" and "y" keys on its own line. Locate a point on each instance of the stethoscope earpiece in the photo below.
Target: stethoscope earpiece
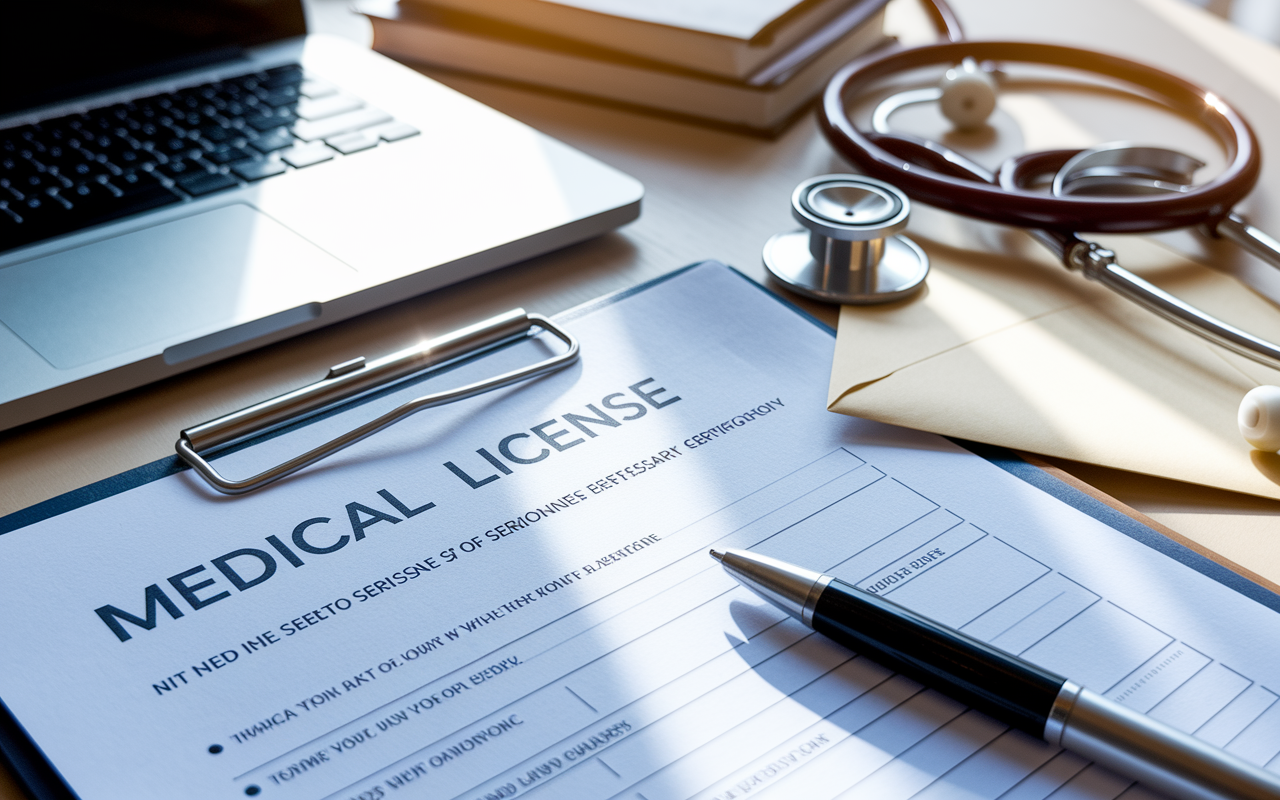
{"x": 849, "y": 252}
{"x": 1259, "y": 418}
{"x": 968, "y": 96}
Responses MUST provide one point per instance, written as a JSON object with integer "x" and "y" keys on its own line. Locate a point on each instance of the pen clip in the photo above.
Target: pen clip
{"x": 359, "y": 376}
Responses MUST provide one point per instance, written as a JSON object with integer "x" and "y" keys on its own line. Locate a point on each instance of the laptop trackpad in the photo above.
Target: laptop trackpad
{"x": 166, "y": 284}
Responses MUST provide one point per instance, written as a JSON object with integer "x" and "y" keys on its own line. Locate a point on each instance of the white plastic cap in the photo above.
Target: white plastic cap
{"x": 968, "y": 96}
{"x": 1259, "y": 418}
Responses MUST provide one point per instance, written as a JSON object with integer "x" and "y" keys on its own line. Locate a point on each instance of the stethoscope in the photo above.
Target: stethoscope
{"x": 851, "y": 250}
{"x": 848, "y": 255}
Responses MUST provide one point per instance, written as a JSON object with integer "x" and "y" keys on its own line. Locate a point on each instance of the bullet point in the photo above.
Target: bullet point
{"x": 251, "y": 790}
{"x": 215, "y": 748}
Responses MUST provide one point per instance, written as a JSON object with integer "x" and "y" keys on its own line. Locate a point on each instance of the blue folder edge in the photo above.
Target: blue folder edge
{"x": 41, "y": 780}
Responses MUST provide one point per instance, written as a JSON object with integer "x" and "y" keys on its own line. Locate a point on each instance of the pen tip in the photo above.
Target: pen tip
{"x": 717, "y": 556}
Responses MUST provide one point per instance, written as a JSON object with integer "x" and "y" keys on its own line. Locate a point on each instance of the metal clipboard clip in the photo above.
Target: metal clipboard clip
{"x": 358, "y": 376}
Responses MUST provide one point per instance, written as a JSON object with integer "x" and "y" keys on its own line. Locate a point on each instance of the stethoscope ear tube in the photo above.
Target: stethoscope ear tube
{"x": 1204, "y": 204}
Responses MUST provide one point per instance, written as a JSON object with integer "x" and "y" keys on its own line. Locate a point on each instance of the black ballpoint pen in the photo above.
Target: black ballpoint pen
{"x": 1012, "y": 690}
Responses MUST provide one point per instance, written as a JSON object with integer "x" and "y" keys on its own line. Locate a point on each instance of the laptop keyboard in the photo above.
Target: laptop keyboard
{"x": 80, "y": 170}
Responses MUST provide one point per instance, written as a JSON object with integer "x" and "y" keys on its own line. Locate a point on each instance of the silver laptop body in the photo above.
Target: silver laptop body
{"x": 436, "y": 188}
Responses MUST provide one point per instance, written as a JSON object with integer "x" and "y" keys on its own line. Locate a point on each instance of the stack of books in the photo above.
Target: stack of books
{"x": 750, "y": 64}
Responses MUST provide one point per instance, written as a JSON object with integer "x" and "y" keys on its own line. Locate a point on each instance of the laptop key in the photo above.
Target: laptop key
{"x": 277, "y": 139}
{"x": 277, "y": 117}
{"x": 142, "y": 199}
{"x": 10, "y": 224}
{"x": 35, "y": 210}
{"x": 226, "y": 154}
{"x": 281, "y": 96}
{"x": 174, "y": 145}
{"x": 178, "y": 168}
{"x": 9, "y": 191}
{"x": 349, "y": 143}
{"x": 83, "y": 170}
{"x": 130, "y": 158}
{"x": 89, "y": 199}
{"x": 329, "y": 106}
{"x": 342, "y": 123}
{"x": 208, "y": 183}
{"x": 33, "y": 182}
{"x": 287, "y": 75}
{"x": 136, "y": 181}
{"x": 316, "y": 88}
{"x": 59, "y": 176}
{"x": 397, "y": 131}
{"x": 218, "y": 133}
{"x": 305, "y": 155}
{"x": 43, "y": 216}
{"x": 55, "y": 197}
{"x": 259, "y": 168}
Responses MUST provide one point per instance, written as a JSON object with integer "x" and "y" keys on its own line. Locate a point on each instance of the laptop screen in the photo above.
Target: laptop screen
{"x": 56, "y": 49}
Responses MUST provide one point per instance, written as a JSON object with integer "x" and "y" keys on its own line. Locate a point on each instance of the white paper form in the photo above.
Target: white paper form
{"x": 511, "y": 597}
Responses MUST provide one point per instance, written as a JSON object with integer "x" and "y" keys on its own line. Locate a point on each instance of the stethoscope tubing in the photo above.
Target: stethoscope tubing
{"x": 1204, "y": 204}
{"x": 934, "y": 174}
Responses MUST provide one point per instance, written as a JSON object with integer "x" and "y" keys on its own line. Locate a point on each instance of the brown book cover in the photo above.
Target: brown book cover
{"x": 733, "y": 38}
{"x": 762, "y": 102}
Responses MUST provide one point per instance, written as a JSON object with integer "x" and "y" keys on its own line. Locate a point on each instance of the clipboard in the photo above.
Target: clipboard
{"x": 42, "y": 779}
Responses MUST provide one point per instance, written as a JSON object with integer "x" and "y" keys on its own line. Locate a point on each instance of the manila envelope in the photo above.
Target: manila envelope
{"x": 1010, "y": 348}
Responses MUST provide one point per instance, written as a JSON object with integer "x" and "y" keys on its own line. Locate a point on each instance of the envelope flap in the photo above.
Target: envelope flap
{"x": 968, "y": 296}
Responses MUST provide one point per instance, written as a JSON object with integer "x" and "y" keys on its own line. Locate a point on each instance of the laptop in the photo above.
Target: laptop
{"x": 185, "y": 180}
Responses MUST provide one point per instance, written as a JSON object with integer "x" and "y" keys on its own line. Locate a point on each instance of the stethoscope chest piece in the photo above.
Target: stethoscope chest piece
{"x": 850, "y": 251}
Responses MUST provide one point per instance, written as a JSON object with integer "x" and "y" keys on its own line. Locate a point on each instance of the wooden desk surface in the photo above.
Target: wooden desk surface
{"x": 710, "y": 194}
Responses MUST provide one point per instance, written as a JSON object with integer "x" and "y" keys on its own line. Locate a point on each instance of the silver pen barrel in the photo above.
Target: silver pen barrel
{"x": 1156, "y": 755}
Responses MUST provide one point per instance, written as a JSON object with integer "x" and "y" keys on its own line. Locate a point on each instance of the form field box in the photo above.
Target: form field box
{"x": 970, "y": 582}
{"x": 937, "y": 753}
{"x": 1238, "y": 715}
{"x": 1091, "y": 783}
{"x": 752, "y": 745}
{"x": 848, "y": 526}
{"x": 1047, "y": 778}
{"x": 875, "y": 556}
{"x": 1099, "y": 647}
{"x": 1032, "y": 614}
{"x": 992, "y": 771}
{"x": 1260, "y": 742}
{"x": 920, "y": 560}
{"x": 1200, "y": 699}
{"x": 1155, "y": 680}
{"x": 867, "y": 750}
